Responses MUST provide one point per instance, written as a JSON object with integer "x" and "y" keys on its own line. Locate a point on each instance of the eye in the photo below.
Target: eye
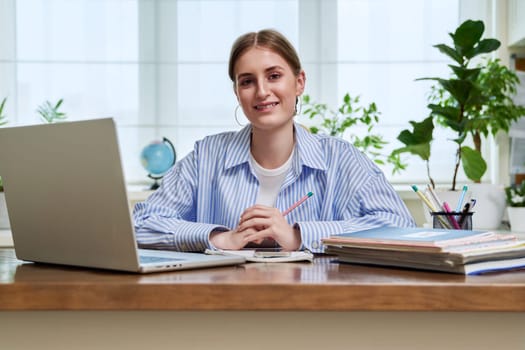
{"x": 274, "y": 76}
{"x": 245, "y": 82}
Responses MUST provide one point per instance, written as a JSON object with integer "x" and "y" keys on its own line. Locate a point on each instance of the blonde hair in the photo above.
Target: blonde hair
{"x": 266, "y": 38}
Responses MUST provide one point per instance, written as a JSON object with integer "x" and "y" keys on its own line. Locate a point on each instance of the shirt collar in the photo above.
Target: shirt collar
{"x": 238, "y": 150}
{"x": 310, "y": 152}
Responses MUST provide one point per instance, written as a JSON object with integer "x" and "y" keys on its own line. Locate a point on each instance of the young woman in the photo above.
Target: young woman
{"x": 233, "y": 188}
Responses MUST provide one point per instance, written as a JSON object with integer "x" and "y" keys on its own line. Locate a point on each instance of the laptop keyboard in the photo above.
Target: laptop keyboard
{"x": 155, "y": 259}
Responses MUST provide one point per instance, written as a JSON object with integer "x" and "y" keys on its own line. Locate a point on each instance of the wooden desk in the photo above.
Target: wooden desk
{"x": 311, "y": 305}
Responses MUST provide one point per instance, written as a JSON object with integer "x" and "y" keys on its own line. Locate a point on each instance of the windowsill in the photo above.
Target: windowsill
{"x": 405, "y": 192}
{"x": 6, "y": 240}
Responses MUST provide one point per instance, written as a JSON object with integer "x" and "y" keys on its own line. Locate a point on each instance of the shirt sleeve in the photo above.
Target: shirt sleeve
{"x": 375, "y": 204}
{"x": 166, "y": 220}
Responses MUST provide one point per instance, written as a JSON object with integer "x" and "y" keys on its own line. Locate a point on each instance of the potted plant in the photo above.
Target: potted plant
{"x": 515, "y": 196}
{"x": 51, "y": 114}
{"x": 351, "y": 113}
{"x": 473, "y": 102}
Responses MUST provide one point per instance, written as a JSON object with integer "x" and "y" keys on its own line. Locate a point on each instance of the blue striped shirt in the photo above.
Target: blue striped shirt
{"x": 209, "y": 189}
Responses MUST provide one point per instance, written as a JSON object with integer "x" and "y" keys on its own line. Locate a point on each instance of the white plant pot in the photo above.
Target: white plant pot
{"x": 4, "y": 218}
{"x": 516, "y": 219}
{"x": 490, "y": 206}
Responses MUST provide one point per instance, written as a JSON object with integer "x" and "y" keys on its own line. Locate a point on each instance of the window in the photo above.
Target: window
{"x": 160, "y": 67}
{"x": 383, "y": 47}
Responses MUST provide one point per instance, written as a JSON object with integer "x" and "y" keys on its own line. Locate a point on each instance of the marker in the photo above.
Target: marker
{"x": 298, "y": 203}
{"x": 461, "y": 198}
{"x": 451, "y": 218}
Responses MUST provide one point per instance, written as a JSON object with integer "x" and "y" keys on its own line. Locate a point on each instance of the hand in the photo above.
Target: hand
{"x": 260, "y": 222}
{"x": 233, "y": 240}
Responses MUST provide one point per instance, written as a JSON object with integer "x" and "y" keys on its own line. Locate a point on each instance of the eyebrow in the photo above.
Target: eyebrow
{"x": 269, "y": 69}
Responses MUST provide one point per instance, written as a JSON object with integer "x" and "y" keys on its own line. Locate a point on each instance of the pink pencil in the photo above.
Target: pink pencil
{"x": 298, "y": 203}
{"x": 451, "y": 217}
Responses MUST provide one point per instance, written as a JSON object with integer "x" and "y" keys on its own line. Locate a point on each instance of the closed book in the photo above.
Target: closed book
{"x": 463, "y": 252}
{"x": 414, "y": 238}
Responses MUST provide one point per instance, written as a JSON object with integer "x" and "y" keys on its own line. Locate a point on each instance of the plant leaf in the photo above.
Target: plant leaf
{"x": 3, "y": 119}
{"x": 465, "y": 73}
{"x": 467, "y": 35}
{"x": 473, "y": 163}
{"x": 459, "y": 89}
{"x": 418, "y": 141}
{"x": 484, "y": 46}
{"x": 421, "y": 150}
{"x": 448, "y": 112}
{"x": 450, "y": 52}
{"x": 422, "y": 132}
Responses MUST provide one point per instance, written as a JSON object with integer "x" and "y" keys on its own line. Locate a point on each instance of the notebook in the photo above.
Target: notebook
{"x": 67, "y": 200}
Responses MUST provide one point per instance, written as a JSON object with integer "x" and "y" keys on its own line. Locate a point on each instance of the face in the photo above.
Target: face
{"x": 266, "y": 88}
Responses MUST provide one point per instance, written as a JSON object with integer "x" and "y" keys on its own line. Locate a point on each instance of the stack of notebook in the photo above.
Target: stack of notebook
{"x": 457, "y": 251}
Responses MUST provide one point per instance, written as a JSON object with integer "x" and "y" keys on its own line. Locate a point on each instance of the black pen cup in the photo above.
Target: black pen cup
{"x": 452, "y": 220}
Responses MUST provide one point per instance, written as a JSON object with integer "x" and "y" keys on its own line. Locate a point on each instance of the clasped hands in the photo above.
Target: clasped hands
{"x": 256, "y": 224}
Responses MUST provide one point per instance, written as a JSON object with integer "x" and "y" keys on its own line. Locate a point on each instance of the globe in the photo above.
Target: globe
{"x": 157, "y": 158}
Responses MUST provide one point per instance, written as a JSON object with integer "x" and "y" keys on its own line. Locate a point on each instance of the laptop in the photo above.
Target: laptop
{"x": 67, "y": 200}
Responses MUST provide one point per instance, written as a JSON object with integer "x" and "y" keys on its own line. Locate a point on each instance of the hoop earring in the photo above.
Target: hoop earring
{"x": 236, "y": 119}
{"x": 297, "y": 102}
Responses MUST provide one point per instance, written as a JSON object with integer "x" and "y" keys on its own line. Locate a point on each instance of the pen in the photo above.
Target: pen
{"x": 298, "y": 203}
{"x": 464, "y": 213}
{"x": 461, "y": 198}
{"x": 429, "y": 205}
{"x": 424, "y": 199}
{"x": 451, "y": 217}
{"x": 434, "y": 196}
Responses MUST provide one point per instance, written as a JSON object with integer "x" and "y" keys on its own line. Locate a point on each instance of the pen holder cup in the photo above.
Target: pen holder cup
{"x": 452, "y": 220}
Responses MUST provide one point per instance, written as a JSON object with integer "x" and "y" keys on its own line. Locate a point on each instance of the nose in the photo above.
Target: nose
{"x": 262, "y": 89}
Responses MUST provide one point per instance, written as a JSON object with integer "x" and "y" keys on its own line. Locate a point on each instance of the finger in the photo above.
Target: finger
{"x": 258, "y": 236}
{"x": 255, "y": 223}
{"x": 246, "y": 234}
{"x": 257, "y": 211}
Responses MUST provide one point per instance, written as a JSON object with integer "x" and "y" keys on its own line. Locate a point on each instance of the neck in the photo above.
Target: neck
{"x": 271, "y": 149}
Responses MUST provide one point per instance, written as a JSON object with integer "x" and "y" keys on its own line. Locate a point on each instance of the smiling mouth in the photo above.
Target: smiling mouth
{"x": 266, "y": 106}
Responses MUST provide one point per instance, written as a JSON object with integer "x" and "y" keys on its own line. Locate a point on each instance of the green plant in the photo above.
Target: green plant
{"x": 516, "y": 195}
{"x": 349, "y": 114}
{"x": 418, "y": 142}
{"x": 50, "y": 113}
{"x": 3, "y": 117}
{"x": 472, "y": 102}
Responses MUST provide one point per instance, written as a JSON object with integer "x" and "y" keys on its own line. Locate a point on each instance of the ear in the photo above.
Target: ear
{"x": 300, "y": 83}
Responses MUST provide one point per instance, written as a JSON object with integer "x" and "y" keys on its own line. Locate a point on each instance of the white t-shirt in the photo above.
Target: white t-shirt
{"x": 270, "y": 180}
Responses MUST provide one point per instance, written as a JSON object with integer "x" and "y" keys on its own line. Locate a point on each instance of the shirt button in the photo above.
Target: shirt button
{"x": 183, "y": 247}
{"x": 315, "y": 245}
